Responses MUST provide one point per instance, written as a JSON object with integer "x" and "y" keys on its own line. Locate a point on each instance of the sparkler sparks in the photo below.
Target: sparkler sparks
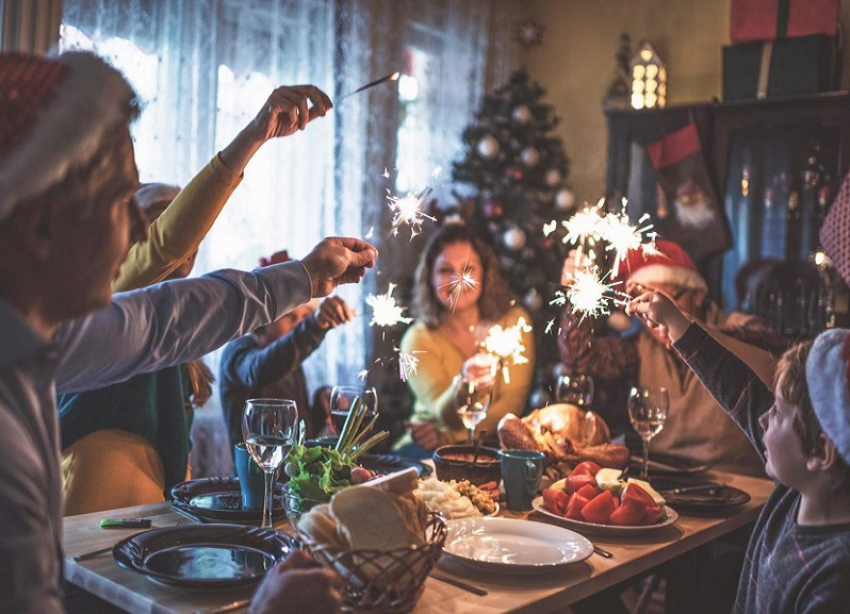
{"x": 407, "y": 363}
{"x": 363, "y": 374}
{"x": 370, "y": 234}
{"x": 585, "y": 226}
{"x": 386, "y": 173}
{"x": 438, "y": 170}
{"x": 460, "y": 284}
{"x": 549, "y": 228}
{"x": 622, "y": 236}
{"x": 591, "y": 294}
{"x": 385, "y": 311}
{"x": 407, "y": 210}
{"x": 507, "y": 346}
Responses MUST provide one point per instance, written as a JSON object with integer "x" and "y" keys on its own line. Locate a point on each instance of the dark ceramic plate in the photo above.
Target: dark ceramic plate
{"x": 220, "y": 499}
{"x": 204, "y": 556}
{"x": 703, "y": 502}
{"x": 666, "y": 464}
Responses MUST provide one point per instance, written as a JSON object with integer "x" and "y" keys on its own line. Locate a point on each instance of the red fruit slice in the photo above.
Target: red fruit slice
{"x": 586, "y": 468}
{"x": 635, "y": 492}
{"x": 574, "y": 482}
{"x": 589, "y": 491}
{"x": 574, "y": 507}
{"x": 599, "y": 510}
{"x": 629, "y": 514}
{"x": 652, "y": 515}
{"x": 550, "y": 500}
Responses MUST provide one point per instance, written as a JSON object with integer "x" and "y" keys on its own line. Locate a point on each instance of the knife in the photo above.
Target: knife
{"x": 688, "y": 489}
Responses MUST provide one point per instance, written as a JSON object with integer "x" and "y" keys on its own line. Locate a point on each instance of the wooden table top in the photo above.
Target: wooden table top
{"x": 539, "y": 593}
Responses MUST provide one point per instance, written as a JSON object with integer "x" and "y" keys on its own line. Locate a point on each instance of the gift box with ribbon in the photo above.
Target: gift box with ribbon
{"x": 782, "y": 67}
{"x": 761, "y": 20}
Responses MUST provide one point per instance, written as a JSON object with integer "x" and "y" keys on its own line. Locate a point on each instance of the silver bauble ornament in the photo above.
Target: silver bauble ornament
{"x": 530, "y": 157}
{"x": 514, "y": 238}
{"x": 539, "y": 398}
{"x": 565, "y": 199}
{"x": 532, "y": 300}
{"x": 521, "y": 114}
{"x": 553, "y": 177}
{"x": 559, "y": 370}
{"x": 488, "y": 147}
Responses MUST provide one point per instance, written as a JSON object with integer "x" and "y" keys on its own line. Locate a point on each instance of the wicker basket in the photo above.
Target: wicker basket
{"x": 383, "y": 581}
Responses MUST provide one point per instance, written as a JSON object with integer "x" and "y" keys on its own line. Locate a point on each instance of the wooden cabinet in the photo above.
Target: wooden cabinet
{"x": 776, "y": 165}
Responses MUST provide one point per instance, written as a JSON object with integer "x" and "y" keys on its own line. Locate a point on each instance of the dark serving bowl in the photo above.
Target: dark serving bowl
{"x": 455, "y": 463}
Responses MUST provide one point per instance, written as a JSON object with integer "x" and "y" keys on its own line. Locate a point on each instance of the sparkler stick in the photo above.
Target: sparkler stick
{"x": 392, "y": 77}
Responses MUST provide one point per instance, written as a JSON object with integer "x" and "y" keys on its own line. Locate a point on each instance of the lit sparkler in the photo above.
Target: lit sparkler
{"x": 460, "y": 284}
{"x": 370, "y": 234}
{"x": 407, "y": 363}
{"x": 408, "y": 210}
{"x": 591, "y": 294}
{"x": 438, "y": 170}
{"x": 363, "y": 374}
{"x": 385, "y": 311}
{"x": 391, "y": 77}
{"x": 622, "y": 237}
{"x": 549, "y": 228}
{"x": 386, "y": 173}
{"x": 507, "y": 346}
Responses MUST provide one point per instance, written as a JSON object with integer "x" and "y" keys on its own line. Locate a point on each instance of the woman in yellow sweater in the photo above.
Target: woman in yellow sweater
{"x": 451, "y": 323}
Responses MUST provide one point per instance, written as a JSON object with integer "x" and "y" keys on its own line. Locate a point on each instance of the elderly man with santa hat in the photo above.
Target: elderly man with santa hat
{"x": 696, "y": 426}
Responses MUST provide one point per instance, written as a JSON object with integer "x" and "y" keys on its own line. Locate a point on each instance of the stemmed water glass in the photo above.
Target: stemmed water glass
{"x": 647, "y": 413}
{"x": 270, "y": 427}
{"x": 472, "y": 400}
{"x": 577, "y": 389}
{"x": 342, "y": 400}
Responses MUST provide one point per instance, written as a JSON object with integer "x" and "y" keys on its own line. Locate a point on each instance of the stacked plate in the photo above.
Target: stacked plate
{"x": 219, "y": 500}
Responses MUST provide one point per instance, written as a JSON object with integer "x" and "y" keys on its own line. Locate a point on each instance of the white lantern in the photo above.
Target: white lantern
{"x": 648, "y": 78}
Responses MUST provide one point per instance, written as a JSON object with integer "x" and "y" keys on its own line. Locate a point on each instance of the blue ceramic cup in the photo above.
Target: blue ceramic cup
{"x": 251, "y": 479}
{"x": 521, "y": 473}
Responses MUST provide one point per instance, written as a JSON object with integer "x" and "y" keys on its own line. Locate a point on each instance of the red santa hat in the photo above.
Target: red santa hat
{"x": 54, "y": 117}
{"x": 667, "y": 264}
{"x": 828, "y": 380}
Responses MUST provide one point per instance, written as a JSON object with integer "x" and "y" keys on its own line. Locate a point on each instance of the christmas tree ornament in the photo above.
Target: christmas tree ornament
{"x": 530, "y": 156}
{"x": 514, "y": 173}
{"x": 514, "y": 238}
{"x": 532, "y": 300}
{"x": 565, "y": 199}
{"x": 553, "y": 177}
{"x": 559, "y": 370}
{"x": 493, "y": 210}
{"x": 521, "y": 114}
{"x": 539, "y": 398}
{"x": 488, "y": 147}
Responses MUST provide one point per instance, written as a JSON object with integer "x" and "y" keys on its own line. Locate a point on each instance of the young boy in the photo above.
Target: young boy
{"x": 798, "y": 559}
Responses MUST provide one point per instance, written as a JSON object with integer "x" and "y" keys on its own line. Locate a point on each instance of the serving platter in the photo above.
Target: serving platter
{"x": 513, "y": 546}
{"x": 671, "y": 516}
{"x": 204, "y": 556}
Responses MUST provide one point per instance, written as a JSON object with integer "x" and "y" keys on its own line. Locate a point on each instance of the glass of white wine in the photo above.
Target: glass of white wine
{"x": 647, "y": 413}
{"x": 472, "y": 400}
{"x": 270, "y": 427}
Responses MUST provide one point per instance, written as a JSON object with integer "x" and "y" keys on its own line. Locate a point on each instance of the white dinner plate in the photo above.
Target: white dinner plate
{"x": 511, "y": 545}
{"x": 607, "y": 529}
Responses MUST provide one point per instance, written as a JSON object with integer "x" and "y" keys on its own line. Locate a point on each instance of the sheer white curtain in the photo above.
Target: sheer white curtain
{"x": 204, "y": 68}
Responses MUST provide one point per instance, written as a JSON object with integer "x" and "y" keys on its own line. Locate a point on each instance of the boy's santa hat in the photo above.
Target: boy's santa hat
{"x": 829, "y": 386}
{"x": 668, "y": 264}
{"x": 54, "y": 117}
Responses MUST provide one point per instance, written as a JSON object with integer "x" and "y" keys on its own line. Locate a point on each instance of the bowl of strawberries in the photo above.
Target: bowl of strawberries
{"x": 598, "y": 500}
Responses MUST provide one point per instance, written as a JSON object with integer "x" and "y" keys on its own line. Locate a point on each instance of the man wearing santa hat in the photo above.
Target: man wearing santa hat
{"x": 696, "y": 426}
{"x": 67, "y": 173}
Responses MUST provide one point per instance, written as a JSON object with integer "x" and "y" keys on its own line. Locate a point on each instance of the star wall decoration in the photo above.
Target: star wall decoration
{"x": 529, "y": 34}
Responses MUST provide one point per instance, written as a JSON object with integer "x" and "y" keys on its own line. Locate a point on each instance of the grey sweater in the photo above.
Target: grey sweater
{"x": 788, "y": 568}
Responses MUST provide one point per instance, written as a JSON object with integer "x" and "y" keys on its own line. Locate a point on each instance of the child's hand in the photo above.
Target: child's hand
{"x": 333, "y": 312}
{"x": 660, "y": 314}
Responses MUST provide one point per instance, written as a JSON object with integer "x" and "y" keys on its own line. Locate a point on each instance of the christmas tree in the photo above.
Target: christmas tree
{"x": 517, "y": 171}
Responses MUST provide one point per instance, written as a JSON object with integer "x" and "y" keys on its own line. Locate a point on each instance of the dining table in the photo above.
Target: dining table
{"x": 539, "y": 592}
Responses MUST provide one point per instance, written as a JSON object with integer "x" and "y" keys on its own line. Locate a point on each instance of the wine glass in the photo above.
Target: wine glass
{"x": 647, "y": 413}
{"x": 577, "y": 389}
{"x": 342, "y": 400}
{"x": 472, "y": 400}
{"x": 269, "y": 427}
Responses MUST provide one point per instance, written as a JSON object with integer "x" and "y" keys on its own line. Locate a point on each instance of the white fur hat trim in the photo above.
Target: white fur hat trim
{"x": 829, "y": 389}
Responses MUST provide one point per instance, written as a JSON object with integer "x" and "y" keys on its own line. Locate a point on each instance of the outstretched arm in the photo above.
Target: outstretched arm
{"x": 178, "y": 232}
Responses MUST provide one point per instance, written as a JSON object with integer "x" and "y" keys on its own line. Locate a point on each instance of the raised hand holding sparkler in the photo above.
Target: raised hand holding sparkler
{"x": 391, "y": 77}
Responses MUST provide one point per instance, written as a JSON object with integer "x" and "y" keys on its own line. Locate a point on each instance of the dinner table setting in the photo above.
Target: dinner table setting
{"x": 531, "y": 525}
